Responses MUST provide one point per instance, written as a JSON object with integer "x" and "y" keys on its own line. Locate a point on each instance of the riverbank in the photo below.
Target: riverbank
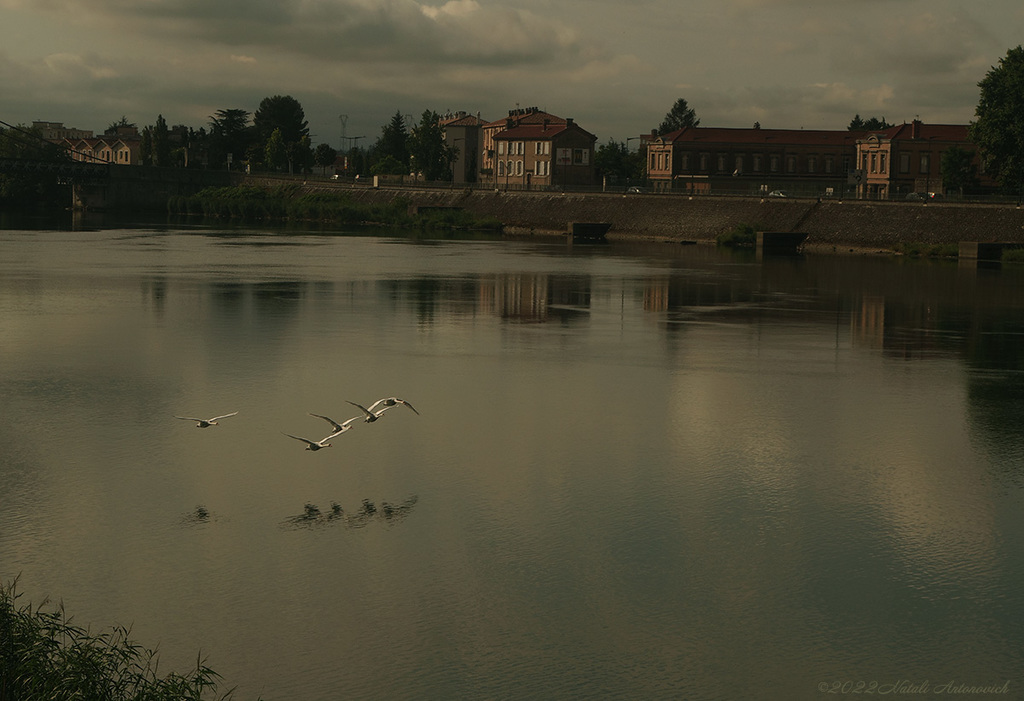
{"x": 830, "y": 225}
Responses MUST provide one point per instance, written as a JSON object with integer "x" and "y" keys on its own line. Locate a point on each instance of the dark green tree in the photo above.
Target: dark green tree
{"x": 300, "y": 156}
{"x": 324, "y": 156}
{"x": 614, "y": 161}
{"x": 230, "y": 133}
{"x": 428, "y": 152}
{"x": 123, "y": 122}
{"x": 146, "y": 147}
{"x": 27, "y": 190}
{"x": 280, "y": 112}
{"x": 959, "y": 173}
{"x": 275, "y": 153}
{"x": 998, "y": 129}
{"x": 161, "y": 143}
{"x": 679, "y": 117}
{"x": 394, "y": 143}
{"x": 870, "y": 124}
{"x": 388, "y": 165}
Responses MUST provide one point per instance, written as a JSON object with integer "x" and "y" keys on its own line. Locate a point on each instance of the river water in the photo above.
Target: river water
{"x": 636, "y": 471}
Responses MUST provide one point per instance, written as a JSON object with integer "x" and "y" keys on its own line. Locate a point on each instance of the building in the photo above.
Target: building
{"x": 57, "y": 132}
{"x": 463, "y": 132}
{"x": 534, "y": 149}
{"x": 702, "y": 160}
{"x": 121, "y": 145}
{"x": 907, "y": 159}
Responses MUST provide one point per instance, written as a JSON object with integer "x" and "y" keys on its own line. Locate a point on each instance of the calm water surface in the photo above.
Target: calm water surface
{"x": 650, "y": 472}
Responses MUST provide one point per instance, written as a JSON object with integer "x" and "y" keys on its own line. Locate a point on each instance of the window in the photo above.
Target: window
{"x": 864, "y": 161}
{"x": 579, "y": 157}
{"x": 737, "y": 164}
{"x": 653, "y": 161}
{"x": 925, "y": 163}
{"x": 721, "y": 162}
{"x": 874, "y": 163}
{"x": 685, "y": 161}
{"x": 791, "y": 164}
{"x": 537, "y": 148}
{"x": 773, "y": 164}
{"x": 812, "y": 164}
{"x": 904, "y": 162}
{"x": 758, "y": 165}
{"x": 519, "y": 167}
{"x": 501, "y": 148}
{"x": 501, "y": 167}
{"x": 829, "y": 164}
{"x": 703, "y": 161}
{"x": 881, "y": 163}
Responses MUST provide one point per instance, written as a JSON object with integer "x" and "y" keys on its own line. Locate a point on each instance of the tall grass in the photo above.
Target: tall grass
{"x": 44, "y": 657}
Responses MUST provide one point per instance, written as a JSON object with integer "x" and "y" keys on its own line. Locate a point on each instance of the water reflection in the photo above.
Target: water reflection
{"x": 368, "y": 512}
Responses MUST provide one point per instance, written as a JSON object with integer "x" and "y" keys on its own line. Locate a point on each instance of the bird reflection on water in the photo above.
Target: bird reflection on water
{"x": 368, "y": 511}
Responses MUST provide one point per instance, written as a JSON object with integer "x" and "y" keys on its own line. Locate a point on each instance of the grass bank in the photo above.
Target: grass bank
{"x": 44, "y": 657}
{"x": 292, "y": 203}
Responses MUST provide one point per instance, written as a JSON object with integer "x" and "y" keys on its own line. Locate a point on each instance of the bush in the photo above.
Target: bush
{"x": 43, "y": 657}
{"x": 740, "y": 236}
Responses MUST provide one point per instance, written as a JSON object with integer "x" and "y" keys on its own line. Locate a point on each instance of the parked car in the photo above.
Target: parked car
{"x": 634, "y": 190}
{"x": 778, "y": 193}
{"x": 916, "y": 196}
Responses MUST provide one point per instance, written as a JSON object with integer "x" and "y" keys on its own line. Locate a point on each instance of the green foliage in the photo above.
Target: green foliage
{"x": 870, "y": 124}
{"x": 389, "y": 165}
{"x": 275, "y": 155}
{"x": 999, "y": 128}
{"x": 614, "y": 160}
{"x": 230, "y": 132}
{"x": 27, "y": 190}
{"x": 324, "y": 155}
{"x": 280, "y": 112}
{"x": 959, "y": 172}
{"x": 161, "y": 143}
{"x": 679, "y": 117}
{"x": 427, "y": 150}
{"x": 740, "y": 236}
{"x": 44, "y": 657}
{"x": 394, "y": 142}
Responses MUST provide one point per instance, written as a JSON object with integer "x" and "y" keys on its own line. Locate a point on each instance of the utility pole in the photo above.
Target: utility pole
{"x": 344, "y": 122}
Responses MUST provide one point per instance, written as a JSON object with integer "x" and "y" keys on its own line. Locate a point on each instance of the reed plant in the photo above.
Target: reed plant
{"x": 45, "y": 657}
{"x": 740, "y": 236}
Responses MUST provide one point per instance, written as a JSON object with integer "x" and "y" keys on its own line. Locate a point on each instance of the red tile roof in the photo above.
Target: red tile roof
{"x": 928, "y": 132}
{"x": 807, "y": 137}
{"x": 539, "y": 132}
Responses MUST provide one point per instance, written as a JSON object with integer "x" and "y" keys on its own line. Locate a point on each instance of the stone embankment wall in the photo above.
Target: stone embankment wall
{"x": 828, "y": 223}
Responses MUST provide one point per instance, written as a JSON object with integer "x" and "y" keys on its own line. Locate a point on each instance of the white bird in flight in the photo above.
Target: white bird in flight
{"x": 338, "y": 428}
{"x": 206, "y": 423}
{"x": 314, "y": 445}
{"x": 373, "y": 413}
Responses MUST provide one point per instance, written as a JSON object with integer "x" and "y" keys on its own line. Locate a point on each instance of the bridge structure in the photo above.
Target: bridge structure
{"x": 100, "y": 185}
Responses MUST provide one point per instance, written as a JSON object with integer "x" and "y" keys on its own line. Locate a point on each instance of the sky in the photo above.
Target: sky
{"x": 614, "y": 66}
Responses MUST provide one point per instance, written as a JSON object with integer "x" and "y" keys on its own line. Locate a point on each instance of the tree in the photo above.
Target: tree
{"x": 614, "y": 161}
{"x": 161, "y": 143}
{"x": 999, "y": 128}
{"x": 230, "y": 133}
{"x": 123, "y": 122}
{"x": 280, "y": 112}
{"x": 146, "y": 147}
{"x": 275, "y": 154}
{"x": 394, "y": 142}
{"x": 324, "y": 156}
{"x": 679, "y": 117}
{"x": 870, "y": 124}
{"x": 427, "y": 149}
{"x": 959, "y": 172}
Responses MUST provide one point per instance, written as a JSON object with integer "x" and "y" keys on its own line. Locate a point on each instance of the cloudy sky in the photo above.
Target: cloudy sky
{"x": 616, "y": 66}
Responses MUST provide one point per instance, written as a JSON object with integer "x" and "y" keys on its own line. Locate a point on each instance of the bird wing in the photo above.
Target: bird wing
{"x": 189, "y": 418}
{"x": 223, "y": 417}
{"x": 332, "y": 422}
{"x": 366, "y": 411}
{"x": 377, "y": 403}
{"x": 402, "y": 401}
{"x": 304, "y": 440}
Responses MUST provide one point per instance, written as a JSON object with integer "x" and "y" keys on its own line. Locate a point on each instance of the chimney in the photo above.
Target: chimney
{"x": 915, "y": 129}
{"x": 508, "y": 123}
{"x": 568, "y": 122}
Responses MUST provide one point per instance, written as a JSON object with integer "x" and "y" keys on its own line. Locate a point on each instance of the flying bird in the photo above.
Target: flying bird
{"x": 206, "y": 423}
{"x": 373, "y": 413}
{"x": 314, "y": 445}
{"x": 338, "y": 428}
{"x": 389, "y": 402}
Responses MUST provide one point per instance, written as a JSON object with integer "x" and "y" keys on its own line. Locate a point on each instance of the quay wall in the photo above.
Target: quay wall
{"x": 828, "y": 223}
